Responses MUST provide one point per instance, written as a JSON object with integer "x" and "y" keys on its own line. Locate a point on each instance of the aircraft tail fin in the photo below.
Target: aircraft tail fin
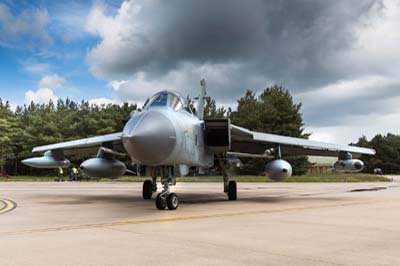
{"x": 201, "y": 99}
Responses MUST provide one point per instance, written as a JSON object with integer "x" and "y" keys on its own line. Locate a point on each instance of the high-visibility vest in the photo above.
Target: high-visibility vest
{"x": 75, "y": 170}
{"x": 60, "y": 171}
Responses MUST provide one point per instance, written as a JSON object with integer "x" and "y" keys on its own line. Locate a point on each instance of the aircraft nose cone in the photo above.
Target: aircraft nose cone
{"x": 152, "y": 140}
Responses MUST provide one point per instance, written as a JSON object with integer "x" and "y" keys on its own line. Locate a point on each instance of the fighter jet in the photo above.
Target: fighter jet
{"x": 168, "y": 137}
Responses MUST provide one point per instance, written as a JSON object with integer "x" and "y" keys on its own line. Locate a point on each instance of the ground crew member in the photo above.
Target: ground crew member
{"x": 60, "y": 175}
{"x": 75, "y": 172}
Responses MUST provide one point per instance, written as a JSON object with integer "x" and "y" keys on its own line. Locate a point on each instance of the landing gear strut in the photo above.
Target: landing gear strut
{"x": 230, "y": 187}
{"x": 165, "y": 198}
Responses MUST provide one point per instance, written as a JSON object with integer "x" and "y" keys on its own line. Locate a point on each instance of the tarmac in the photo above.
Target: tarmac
{"x": 270, "y": 224}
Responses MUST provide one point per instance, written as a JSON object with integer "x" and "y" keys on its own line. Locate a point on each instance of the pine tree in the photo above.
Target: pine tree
{"x": 211, "y": 111}
{"x": 272, "y": 112}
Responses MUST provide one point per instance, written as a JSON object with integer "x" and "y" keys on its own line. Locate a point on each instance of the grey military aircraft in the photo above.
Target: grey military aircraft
{"x": 168, "y": 137}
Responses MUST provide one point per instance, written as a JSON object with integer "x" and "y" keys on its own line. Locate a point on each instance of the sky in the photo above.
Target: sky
{"x": 340, "y": 59}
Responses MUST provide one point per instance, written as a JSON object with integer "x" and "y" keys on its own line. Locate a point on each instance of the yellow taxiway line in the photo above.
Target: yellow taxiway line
{"x": 8, "y": 205}
{"x": 183, "y": 218}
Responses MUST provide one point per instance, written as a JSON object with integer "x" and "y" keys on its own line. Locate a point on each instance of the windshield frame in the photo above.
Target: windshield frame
{"x": 169, "y": 100}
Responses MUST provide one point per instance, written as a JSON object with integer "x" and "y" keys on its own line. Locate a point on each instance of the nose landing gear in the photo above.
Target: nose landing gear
{"x": 167, "y": 199}
{"x": 161, "y": 201}
{"x": 172, "y": 201}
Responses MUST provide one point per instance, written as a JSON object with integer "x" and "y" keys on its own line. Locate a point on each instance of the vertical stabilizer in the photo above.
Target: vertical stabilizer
{"x": 201, "y": 99}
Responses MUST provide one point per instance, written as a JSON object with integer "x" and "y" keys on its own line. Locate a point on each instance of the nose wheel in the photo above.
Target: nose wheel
{"x": 164, "y": 200}
{"x": 172, "y": 201}
{"x": 167, "y": 199}
{"x": 161, "y": 202}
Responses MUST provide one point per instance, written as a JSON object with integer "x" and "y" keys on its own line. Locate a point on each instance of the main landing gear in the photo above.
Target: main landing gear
{"x": 230, "y": 187}
{"x": 231, "y": 190}
{"x": 164, "y": 199}
{"x": 149, "y": 186}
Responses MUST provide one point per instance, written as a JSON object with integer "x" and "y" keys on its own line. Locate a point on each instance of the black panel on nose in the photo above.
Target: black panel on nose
{"x": 152, "y": 140}
{"x": 358, "y": 165}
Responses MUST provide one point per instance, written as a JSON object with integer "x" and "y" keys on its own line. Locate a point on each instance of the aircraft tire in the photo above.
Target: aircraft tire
{"x": 232, "y": 190}
{"x": 172, "y": 201}
{"x": 161, "y": 202}
{"x": 147, "y": 189}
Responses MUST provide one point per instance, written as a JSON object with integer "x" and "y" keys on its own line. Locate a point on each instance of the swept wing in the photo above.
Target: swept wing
{"x": 252, "y": 142}
{"x": 86, "y": 145}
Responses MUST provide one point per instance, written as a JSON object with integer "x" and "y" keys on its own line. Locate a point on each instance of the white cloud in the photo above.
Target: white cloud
{"x": 27, "y": 23}
{"x": 67, "y": 25}
{"x": 13, "y": 106}
{"x": 321, "y": 135}
{"x": 101, "y": 101}
{"x": 36, "y": 68}
{"x": 118, "y": 34}
{"x": 45, "y": 91}
{"x": 40, "y": 96}
{"x": 51, "y": 82}
{"x": 220, "y": 79}
{"x": 366, "y": 102}
{"x": 368, "y": 126}
{"x": 116, "y": 84}
{"x": 367, "y": 86}
{"x": 376, "y": 48}
{"x": 344, "y": 111}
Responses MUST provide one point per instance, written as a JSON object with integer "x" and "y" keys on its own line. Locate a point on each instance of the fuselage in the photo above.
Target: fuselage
{"x": 166, "y": 132}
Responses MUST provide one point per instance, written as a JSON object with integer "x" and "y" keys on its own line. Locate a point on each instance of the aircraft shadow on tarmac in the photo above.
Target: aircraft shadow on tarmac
{"x": 185, "y": 199}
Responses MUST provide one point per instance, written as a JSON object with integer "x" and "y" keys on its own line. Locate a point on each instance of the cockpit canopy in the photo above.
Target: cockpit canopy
{"x": 168, "y": 99}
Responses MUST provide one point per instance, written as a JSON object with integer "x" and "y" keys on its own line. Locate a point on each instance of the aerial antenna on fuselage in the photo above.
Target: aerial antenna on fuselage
{"x": 201, "y": 99}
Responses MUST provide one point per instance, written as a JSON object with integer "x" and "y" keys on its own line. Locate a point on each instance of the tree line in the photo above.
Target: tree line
{"x": 273, "y": 111}
{"x": 387, "y": 155}
{"x": 39, "y": 124}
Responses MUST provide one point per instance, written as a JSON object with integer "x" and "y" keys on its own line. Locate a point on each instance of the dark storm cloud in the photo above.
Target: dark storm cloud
{"x": 286, "y": 41}
{"x": 302, "y": 45}
{"x": 370, "y": 96}
{"x": 341, "y": 113}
